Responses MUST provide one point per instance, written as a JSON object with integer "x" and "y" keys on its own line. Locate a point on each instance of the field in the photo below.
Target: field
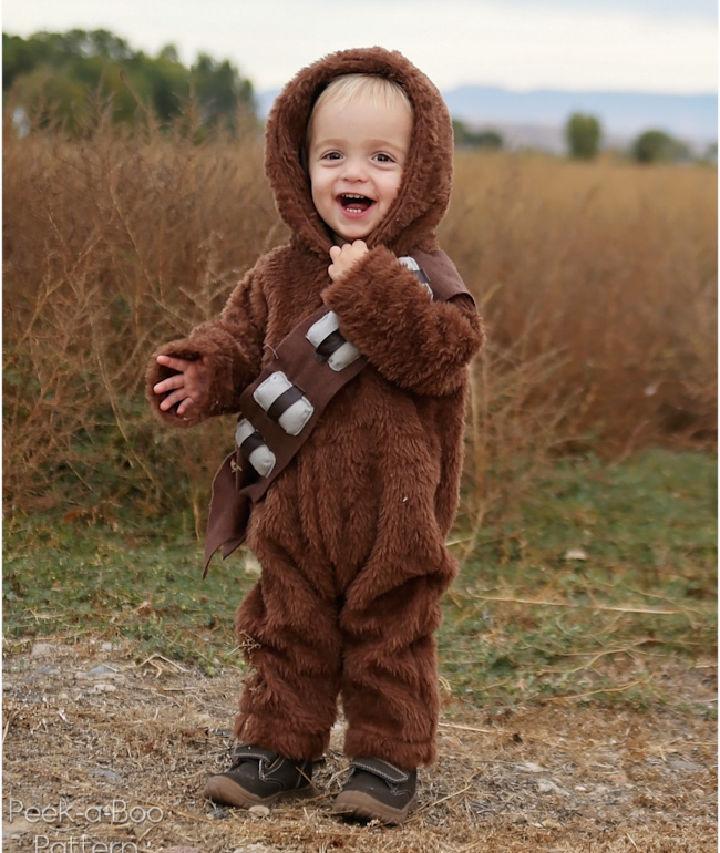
{"x": 577, "y": 650}
{"x": 579, "y": 693}
{"x": 597, "y": 283}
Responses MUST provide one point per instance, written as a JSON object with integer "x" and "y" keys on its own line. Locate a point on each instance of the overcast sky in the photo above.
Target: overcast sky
{"x": 650, "y": 45}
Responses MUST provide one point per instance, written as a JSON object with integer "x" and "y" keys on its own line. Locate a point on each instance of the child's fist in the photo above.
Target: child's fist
{"x": 343, "y": 257}
{"x": 188, "y": 387}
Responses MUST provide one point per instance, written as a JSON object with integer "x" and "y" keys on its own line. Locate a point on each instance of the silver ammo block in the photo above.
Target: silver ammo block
{"x": 343, "y": 356}
{"x": 411, "y": 264}
{"x": 297, "y": 414}
{"x": 320, "y": 329}
{"x": 271, "y": 388}
{"x": 294, "y": 418}
{"x": 262, "y": 458}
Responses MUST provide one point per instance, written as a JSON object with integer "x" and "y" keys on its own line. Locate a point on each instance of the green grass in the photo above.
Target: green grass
{"x": 647, "y": 527}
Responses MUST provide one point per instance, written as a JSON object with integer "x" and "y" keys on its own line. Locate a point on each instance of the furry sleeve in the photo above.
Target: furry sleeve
{"x": 231, "y": 346}
{"x": 418, "y": 344}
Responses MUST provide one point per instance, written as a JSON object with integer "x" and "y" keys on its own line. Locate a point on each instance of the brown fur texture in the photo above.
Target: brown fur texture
{"x": 351, "y": 535}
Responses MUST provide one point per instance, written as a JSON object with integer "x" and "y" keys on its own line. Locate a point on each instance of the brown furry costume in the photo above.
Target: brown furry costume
{"x": 350, "y": 536}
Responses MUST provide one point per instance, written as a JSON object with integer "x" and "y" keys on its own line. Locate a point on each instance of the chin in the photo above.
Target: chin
{"x": 356, "y": 235}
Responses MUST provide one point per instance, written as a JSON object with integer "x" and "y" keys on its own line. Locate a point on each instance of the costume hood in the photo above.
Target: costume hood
{"x": 427, "y": 178}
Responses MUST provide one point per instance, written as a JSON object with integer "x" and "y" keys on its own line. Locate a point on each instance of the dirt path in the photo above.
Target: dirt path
{"x": 88, "y": 723}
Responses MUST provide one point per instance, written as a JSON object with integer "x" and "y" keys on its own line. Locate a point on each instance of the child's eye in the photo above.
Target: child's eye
{"x": 331, "y": 154}
{"x": 388, "y": 158}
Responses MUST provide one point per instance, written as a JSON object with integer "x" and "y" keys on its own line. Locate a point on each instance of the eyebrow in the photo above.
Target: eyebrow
{"x": 374, "y": 143}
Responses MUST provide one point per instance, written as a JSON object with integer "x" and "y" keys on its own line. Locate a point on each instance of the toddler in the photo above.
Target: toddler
{"x": 345, "y": 351}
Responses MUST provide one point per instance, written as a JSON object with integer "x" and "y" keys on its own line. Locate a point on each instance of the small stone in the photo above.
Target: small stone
{"x": 255, "y": 847}
{"x": 47, "y": 669}
{"x": 221, "y": 732}
{"x": 684, "y": 764}
{"x": 259, "y": 811}
{"x": 546, "y": 786}
{"x": 104, "y": 688}
{"x": 40, "y": 650}
{"x": 107, "y": 647}
{"x": 530, "y": 767}
{"x": 575, "y": 554}
{"x": 182, "y": 849}
{"x": 100, "y": 671}
{"x": 106, "y": 773}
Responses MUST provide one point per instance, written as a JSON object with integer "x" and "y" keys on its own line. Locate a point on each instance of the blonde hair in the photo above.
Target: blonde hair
{"x": 346, "y": 88}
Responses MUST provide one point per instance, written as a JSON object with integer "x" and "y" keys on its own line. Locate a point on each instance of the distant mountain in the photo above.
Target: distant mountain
{"x": 692, "y": 117}
{"x": 537, "y": 117}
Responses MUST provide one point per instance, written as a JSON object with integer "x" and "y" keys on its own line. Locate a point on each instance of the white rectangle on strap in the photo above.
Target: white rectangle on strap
{"x": 271, "y": 388}
{"x": 262, "y": 459}
{"x": 343, "y": 356}
{"x": 243, "y": 430}
{"x": 294, "y": 418}
{"x": 320, "y": 329}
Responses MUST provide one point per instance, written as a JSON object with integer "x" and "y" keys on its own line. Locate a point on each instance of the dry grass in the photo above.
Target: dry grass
{"x": 148, "y": 731}
{"x": 597, "y": 283}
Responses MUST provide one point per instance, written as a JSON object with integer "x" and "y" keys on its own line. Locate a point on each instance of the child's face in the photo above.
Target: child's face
{"x": 358, "y": 147}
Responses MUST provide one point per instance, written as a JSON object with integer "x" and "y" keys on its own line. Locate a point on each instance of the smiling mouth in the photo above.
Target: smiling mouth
{"x": 355, "y": 202}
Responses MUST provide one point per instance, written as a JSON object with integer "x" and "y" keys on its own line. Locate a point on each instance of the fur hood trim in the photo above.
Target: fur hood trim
{"x": 425, "y": 190}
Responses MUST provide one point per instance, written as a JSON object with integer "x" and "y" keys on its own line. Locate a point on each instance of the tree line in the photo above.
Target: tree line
{"x": 59, "y": 76}
{"x": 583, "y": 135}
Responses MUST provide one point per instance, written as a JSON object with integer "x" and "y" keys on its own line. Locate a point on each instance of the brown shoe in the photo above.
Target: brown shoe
{"x": 259, "y": 776}
{"x": 376, "y": 790}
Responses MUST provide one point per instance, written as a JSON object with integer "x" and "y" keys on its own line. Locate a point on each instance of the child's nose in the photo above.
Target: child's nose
{"x": 355, "y": 169}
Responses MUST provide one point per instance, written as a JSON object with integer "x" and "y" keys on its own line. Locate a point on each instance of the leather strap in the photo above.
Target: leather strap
{"x": 381, "y": 768}
{"x": 240, "y": 753}
{"x": 279, "y": 410}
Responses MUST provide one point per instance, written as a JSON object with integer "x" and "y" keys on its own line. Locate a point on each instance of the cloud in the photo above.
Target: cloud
{"x": 606, "y": 44}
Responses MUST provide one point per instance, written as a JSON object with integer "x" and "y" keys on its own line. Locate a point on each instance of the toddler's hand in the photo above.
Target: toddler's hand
{"x": 189, "y": 387}
{"x": 343, "y": 257}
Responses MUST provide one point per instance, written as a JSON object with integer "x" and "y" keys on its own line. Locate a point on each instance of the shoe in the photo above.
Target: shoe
{"x": 376, "y": 790}
{"x": 259, "y": 776}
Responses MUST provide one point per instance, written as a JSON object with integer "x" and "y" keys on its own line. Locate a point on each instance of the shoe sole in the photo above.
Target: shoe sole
{"x": 220, "y": 789}
{"x": 362, "y": 805}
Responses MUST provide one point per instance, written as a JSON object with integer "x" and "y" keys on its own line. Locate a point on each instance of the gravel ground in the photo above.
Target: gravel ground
{"x": 115, "y": 750}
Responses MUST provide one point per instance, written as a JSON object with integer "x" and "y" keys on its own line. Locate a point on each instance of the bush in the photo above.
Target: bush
{"x": 656, "y": 146}
{"x": 582, "y": 133}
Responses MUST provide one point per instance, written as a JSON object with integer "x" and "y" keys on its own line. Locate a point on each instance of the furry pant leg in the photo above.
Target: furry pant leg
{"x": 288, "y": 628}
{"x": 389, "y": 681}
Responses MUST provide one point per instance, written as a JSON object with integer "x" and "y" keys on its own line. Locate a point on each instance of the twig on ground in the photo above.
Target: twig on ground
{"x": 173, "y": 664}
{"x": 592, "y": 606}
{"x": 618, "y": 689}
{"x": 7, "y": 725}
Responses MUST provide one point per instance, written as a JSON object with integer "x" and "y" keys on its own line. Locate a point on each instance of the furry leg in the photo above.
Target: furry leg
{"x": 389, "y": 678}
{"x": 288, "y": 628}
